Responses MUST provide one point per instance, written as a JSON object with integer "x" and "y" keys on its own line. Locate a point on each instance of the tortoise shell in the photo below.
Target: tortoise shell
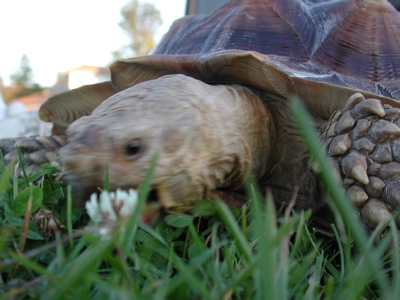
{"x": 322, "y": 51}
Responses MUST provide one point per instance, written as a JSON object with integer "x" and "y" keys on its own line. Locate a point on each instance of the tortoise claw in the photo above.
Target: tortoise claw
{"x": 7, "y": 145}
{"x": 391, "y": 194}
{"x": 382, "y": 130}
{"x": 354, "y": 165}
{"x": 366, "y": 108}
{"x": 375, "y": 187}
{"x": 345, "y": 123}
{"x": 28, "y": 144}
{"x": 352, "y": 101}
{"x": 357, "y": 195}
{"x": 375, "y": 212}
{"x": 340, "y": 144}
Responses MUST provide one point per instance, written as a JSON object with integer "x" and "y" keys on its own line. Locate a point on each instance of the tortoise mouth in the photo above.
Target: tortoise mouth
{"x": 152, "y": 210}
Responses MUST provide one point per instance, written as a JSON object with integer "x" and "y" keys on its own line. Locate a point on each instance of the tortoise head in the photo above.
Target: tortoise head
{"x": 173, "y": 118}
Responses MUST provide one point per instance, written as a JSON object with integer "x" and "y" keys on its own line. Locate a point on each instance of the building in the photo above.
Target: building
{"x": 77, "y": 77}
{"x": 86, "y": 75}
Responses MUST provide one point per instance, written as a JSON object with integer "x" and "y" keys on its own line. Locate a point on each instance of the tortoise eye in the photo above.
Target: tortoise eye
{"x": 133, "y": 148}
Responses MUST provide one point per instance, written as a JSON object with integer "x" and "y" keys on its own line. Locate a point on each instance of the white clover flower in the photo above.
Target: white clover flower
{"x": 107, "y": 209}
{"x": 128, "y": 202}
{"x": 93, "y": 208}
{"x": 112, "y": 205}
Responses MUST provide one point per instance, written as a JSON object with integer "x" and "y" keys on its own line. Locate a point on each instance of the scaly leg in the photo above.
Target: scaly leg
{"x": 35, "y": 150}
{"x": 363, "y": 141}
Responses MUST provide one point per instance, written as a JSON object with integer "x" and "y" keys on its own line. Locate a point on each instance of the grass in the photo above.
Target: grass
{"x": 218, "y": 252}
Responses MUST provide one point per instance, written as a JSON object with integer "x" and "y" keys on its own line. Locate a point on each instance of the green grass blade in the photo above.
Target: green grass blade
{"x": 144, "y": 191}
{"x": 233, "y": 227}
{"x": 69, "y": 211}
{"x": 22, "y": 166}
{"x": 29, "y": 264}
{"x": 83, "y": 265}
{"x": 5, "y": 179}
{"x": 268, "y": 252}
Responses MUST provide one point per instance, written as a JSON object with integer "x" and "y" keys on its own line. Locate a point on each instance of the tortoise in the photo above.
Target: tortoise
{"x": 212, "y": 101}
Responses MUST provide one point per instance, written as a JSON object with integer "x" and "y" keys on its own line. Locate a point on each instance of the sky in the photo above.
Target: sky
{"x": 59, "y": 35}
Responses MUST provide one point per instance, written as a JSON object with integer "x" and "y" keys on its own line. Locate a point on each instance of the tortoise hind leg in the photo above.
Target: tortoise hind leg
{"x": 363, "y": 141}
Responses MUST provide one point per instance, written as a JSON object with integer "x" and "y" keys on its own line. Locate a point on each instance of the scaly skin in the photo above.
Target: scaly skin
{"x": 363, "y": 140}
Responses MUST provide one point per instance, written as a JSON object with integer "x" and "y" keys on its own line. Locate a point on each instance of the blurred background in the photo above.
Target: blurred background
{"x": 51, "y": 46}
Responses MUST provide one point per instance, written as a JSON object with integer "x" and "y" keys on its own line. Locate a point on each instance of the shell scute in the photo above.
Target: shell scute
{"x": 365, "y": 43}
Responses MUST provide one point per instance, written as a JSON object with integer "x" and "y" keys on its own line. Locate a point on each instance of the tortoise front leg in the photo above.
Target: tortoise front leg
{"x": 363, "y": 141}
{"x": 35, "y": 150}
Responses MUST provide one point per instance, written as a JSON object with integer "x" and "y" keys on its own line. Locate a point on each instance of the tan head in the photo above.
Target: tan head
{"x": 187, "y": 123}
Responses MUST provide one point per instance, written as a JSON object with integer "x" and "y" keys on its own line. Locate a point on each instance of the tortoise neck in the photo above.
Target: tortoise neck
{"x": 256, "y": 130}
{"x": 244, "y": 132}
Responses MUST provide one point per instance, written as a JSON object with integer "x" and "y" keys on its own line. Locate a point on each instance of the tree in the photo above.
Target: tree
{"x": 22, "y": 83}
{"x": 140, "y": 22}
{"x": 23, "y": 76}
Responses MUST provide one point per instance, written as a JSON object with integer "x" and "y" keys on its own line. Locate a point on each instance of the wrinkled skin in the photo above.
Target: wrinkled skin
{"x": 207, "y": 139}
